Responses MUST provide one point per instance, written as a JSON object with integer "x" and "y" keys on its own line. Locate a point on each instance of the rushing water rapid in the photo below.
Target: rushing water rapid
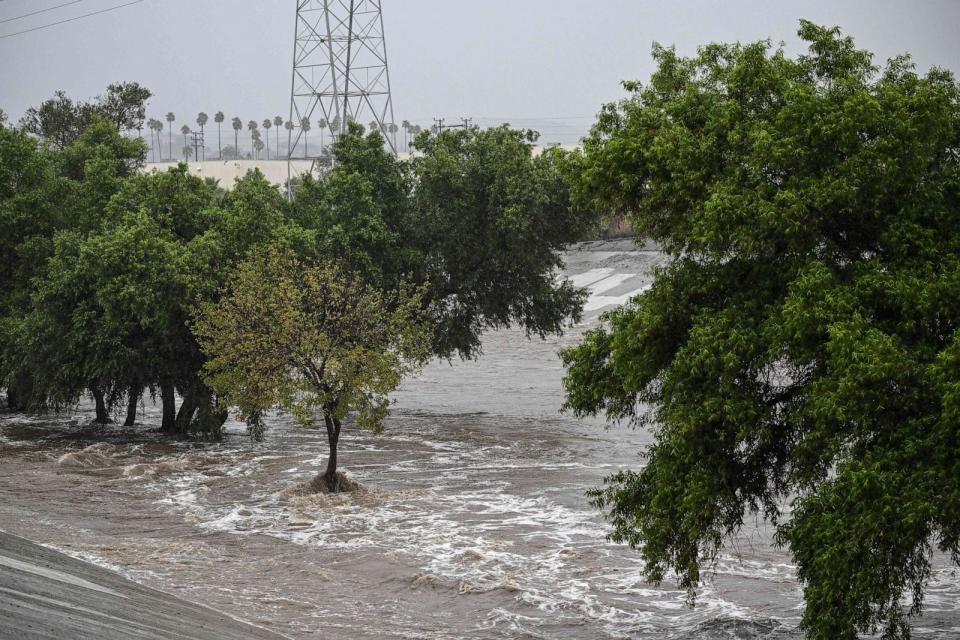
{"x": 474, "y": 523}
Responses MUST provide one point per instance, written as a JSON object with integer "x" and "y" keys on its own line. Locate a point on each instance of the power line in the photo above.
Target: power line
{"x": 86, "y": 15}
{"x": 27, "y": 15}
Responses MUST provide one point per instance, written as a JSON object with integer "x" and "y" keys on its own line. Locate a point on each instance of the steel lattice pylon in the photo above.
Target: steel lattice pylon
{"x": 340, "y": 72}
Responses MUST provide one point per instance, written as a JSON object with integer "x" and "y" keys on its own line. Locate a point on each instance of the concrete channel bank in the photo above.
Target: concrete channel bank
{"x": 47, "y": 595}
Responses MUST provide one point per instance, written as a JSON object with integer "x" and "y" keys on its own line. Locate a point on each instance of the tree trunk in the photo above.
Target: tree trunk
{"x": 219, "y": 142}
{"x": 169, "y": 398}
{"x": 13, "y": 399}
{"x": 188, "y": 408}
{"x": 133, "y": 399}
{"x": 102, "y": 416}
{"x": 333, "y": 439}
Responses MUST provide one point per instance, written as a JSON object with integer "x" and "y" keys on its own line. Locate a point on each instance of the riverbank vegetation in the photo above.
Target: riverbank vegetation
{"x": 105, "y": 267}
{"x": 798, "y": 359}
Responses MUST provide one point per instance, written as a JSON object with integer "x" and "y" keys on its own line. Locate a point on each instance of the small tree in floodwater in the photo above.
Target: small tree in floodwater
{"x": 311, "y": 340}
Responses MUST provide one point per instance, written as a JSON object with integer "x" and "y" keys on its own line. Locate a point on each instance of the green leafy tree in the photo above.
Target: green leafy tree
{"x": 491, "y": 221}
{"x": 216, "y": 230}
{"x": 313, "y": 341}
{"x": 484, "y": 227}
{"x": 799, "y": 354}
{"x": 101, "y": 315}
{"x": 60, "y": 121}
{"x": 124, "y": 105}
{"x": 32, "y": 206}
{"x": 44, "y": 371}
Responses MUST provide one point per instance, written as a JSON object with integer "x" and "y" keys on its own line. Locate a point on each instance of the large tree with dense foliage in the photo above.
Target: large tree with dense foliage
{"x": 491, "y": 221}
{"x": 476, "y": 216}
{"x": 311, "y": 340}
{"x": 60, "y": 120}
{"x": 52, "y": 194}
{"x": 799, "y": 355}
{"x": 32, "y": 198}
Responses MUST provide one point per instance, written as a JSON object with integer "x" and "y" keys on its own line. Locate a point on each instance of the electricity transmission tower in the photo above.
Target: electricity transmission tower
{"x": 340, "y": 72}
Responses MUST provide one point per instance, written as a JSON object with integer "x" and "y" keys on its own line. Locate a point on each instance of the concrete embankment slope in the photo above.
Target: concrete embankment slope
{"x": 47, "y": 595}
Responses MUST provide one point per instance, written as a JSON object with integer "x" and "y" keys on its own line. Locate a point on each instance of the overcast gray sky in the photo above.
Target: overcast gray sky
{"x": 544, "y": 63}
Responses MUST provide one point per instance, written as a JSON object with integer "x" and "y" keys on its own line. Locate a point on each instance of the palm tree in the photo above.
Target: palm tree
{"x": 267, "y": 123}
{"x": 187, "y": 152}
{"x": 159, "y": 140}
{"x": 305, "y": 125}
{"x": 258, "y": 144}
{"x": 170, "y": 119}
{"x": 219, "y": 118}
{"x": 289, "y": 127}
{"x": 158, "y": 130}
{"x": 278, "y": 122}
{"x": 185, "y": 130}
{"x": 237, "y": 126}
{"x": 252, "y": 126}
{"x": 323, "y": 125}
{"x": 406, "y": 134}
{"x": 393, "y": 128}
{"x": 153, "y": 149}
{"x": 202, "y": 119}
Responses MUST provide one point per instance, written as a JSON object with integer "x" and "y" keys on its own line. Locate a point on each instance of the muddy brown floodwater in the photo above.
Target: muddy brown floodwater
{"x": 474, "y": 525}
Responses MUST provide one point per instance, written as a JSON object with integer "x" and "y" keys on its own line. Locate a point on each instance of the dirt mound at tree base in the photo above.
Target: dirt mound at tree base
{"x": 319, "y": 486}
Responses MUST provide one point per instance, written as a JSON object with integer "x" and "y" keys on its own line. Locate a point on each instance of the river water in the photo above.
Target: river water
{"x": 474, "y": 523}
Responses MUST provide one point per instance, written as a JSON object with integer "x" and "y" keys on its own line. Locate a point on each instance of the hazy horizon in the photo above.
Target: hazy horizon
{"x": 548, "y": 65}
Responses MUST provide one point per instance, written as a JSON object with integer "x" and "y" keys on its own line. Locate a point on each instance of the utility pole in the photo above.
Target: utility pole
{"x": 340, "y": 70}
{"x": 198, "y": 144}
{"x": 440, "y": 124}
